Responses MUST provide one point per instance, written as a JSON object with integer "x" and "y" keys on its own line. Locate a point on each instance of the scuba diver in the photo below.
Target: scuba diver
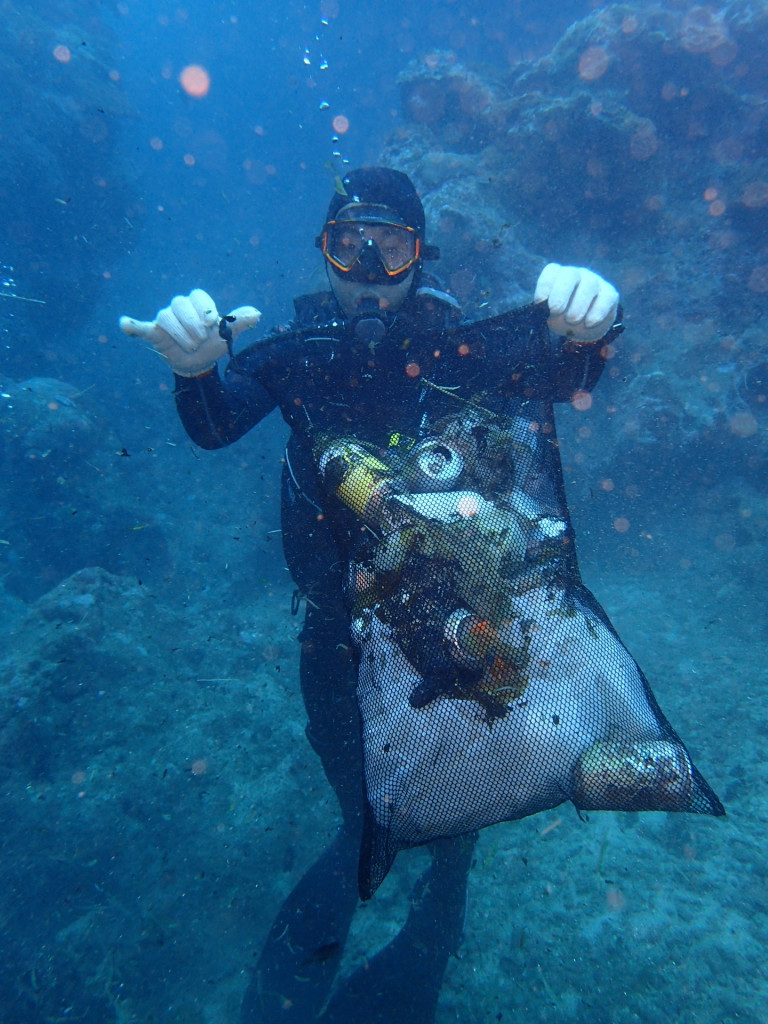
{"x": 380, "y": 358}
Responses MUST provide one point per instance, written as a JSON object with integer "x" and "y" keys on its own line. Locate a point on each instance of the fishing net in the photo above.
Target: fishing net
{"x": 491, "y": 684}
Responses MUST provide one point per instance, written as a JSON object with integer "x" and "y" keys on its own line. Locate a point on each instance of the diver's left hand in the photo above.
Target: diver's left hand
{"x": 582, "y": 305}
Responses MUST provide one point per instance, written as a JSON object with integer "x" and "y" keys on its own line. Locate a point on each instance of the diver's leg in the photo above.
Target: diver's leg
{"x": 401, "y": 984}
{"x": 328, "y": 685}
{"x": 299, "y": 959}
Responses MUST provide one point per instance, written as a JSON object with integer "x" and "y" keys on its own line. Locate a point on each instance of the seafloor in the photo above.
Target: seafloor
{"x": 159, "y": 800}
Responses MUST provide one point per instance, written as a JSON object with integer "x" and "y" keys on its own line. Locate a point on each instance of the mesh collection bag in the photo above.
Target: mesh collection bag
{"x": 491, "y": 684}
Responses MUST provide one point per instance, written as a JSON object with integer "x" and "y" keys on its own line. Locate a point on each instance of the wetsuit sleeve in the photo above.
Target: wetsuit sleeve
{"x": 216, "y": 411}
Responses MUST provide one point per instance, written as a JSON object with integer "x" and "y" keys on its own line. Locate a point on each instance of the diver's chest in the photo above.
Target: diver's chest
{"x": 373, "y": 397}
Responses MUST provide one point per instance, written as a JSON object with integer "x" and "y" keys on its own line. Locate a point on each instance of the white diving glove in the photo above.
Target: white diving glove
{"x": 582, "y": 305}
{"x": 189, "y": 334}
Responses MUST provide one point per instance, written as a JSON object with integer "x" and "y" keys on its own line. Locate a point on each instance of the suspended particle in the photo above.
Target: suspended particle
{"x": 195, "y": 81}
{"x": 468, "y": 506}
{"x": 743, "y": 424}
{"x": 593, "y": 63}
{"x": 323, "y": 64}
{"x": 581, "y": 401}
{"x": 755, "y": 194}
{"x": 324, "y": 105}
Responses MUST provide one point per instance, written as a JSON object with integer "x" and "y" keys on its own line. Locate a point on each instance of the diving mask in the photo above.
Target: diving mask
{"x": 371, "y": 240}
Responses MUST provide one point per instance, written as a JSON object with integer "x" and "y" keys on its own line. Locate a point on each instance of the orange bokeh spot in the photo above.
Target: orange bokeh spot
{"x": 463, "y": 350}
{"x": 195, "y": 81}
{"x": 710, "y": 194}
{"x": 725, "y": 542}
{"x": 468, "y": 506}
{"x": 582, "y": 400}
{"x": 340, "y": 124}
{"x": 621, "y": 524}
{"x": 755, "y": 194}
{"x": 743, "y": 424}
{"x": 644, "y": 143}
{"x": 412, "y": 370}
{"x": 62, "y": 54}
{"x": 717, "y": 209}
{"x": 615, "y": 898}
{"x": 758, "y": 280}
{"x": 593, "y": 63}
{"x": 702, "y": 30}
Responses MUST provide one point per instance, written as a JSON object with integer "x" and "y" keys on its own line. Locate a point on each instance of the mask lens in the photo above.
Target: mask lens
{"x": 343, "y": 243}
{"x": 396, "y": 246}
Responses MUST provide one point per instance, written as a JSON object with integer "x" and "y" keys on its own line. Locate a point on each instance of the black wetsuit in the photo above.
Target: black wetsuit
{"x": 328, "y": 378}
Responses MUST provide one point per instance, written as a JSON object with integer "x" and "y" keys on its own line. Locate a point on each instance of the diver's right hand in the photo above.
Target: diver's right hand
{"x": 189, "y": 334}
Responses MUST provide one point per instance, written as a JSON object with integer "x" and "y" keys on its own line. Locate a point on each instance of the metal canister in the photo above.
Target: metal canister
{"x": 357, "y": 478}
{"x": 434, "y": 465}
{"x": 651, "y": 775}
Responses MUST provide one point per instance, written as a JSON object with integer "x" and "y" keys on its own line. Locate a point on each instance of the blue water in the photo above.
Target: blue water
{"x": 158, "y": 796}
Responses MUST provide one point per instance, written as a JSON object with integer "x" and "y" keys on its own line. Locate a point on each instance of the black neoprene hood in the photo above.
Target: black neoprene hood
{"x": 384, "y": 186}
